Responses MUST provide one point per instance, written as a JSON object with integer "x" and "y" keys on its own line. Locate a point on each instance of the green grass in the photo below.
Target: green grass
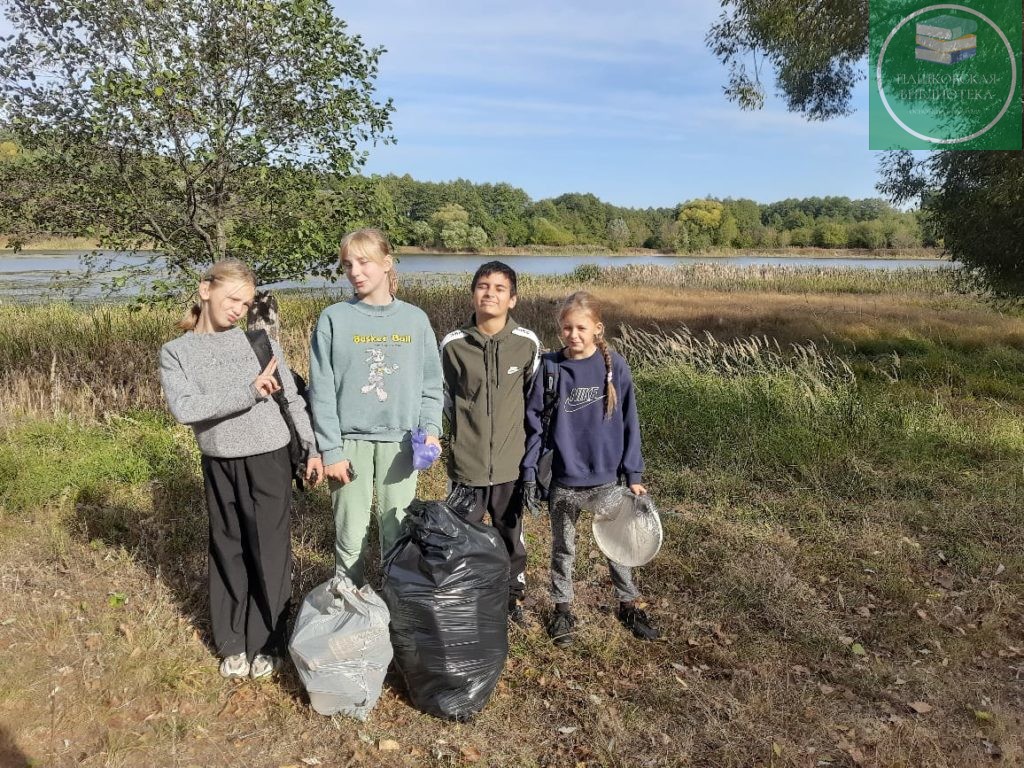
{"x": 42, "y": 461}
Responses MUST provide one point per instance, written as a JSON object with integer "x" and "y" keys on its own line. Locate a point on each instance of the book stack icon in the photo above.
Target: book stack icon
{"x": 946, "y": 39}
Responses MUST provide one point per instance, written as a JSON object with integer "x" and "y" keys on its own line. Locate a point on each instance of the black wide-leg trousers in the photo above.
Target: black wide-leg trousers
{"x": 249, "y": 500}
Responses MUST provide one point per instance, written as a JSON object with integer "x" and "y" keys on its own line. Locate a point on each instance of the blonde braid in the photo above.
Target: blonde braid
{"x": 611, "y": 397}
{"x": 393, "y": 279}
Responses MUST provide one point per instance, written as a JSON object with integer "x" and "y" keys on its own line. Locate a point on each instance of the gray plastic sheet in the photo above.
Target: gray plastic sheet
{"x": 341, "y": 648}
{"x": 627, "y": 528}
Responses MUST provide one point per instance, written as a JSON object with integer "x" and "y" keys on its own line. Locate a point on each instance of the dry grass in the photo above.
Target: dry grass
{"x": 104, "y": 629}
{"x": 50, "y": 243}
{"x": 95, "y": 359}
{"x": 830, "y": 560}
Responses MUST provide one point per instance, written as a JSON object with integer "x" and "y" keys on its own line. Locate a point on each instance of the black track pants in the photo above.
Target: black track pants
{"x": 249, "y": 500}
{"x": 503, "y": 502}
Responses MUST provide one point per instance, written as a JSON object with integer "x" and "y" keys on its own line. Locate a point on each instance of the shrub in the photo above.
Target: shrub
{"x": 585, "y": 273}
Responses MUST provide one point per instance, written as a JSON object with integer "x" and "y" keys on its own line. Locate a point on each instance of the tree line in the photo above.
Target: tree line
{"x": 461, "y": 215}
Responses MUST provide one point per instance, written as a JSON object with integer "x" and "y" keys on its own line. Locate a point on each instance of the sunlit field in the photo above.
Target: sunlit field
{"x": 837, "y": 456}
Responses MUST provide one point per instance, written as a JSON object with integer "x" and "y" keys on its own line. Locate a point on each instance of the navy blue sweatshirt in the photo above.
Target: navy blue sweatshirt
{"x": 589, "y": 449}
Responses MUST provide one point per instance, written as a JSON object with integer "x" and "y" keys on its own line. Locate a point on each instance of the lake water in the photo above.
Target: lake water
{"x": 36, "y": 275}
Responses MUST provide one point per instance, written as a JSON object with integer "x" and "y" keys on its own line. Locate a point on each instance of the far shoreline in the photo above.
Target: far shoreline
{"x": 59, "y": 246}
{"x": 790, "y": 252}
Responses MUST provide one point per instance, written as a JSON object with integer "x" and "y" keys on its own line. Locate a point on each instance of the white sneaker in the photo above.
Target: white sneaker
{"x": 234, "y": 666}
{"x": 263, "y": 665}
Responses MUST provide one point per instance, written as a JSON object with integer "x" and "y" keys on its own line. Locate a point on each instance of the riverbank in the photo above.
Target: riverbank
{"x": 725, "y": 253}
{"x": 841, "y": 581}
{"x": 70, "y": 244}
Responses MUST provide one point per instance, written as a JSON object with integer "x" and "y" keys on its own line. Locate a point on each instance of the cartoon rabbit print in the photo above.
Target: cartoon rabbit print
{"x": 377, "y": 372}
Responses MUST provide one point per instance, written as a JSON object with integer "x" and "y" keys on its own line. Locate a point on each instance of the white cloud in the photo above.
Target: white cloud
{"x": 480, "y": 40}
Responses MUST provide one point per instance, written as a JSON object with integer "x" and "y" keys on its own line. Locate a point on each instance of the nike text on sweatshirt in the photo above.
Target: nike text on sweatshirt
{"x": 589, "y": 449}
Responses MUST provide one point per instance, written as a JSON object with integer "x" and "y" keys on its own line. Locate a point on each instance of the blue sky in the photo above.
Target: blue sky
{"x": 620, "y": 99}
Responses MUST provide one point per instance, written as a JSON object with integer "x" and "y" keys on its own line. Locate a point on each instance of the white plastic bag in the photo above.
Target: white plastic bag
{"x": 341, "y": 648}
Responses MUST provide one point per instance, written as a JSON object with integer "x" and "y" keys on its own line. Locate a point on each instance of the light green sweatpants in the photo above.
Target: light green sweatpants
{"x": 382, "y": 467}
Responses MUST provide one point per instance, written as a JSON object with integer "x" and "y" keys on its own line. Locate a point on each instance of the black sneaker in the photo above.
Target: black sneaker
{"x": 561, "y": 628}
{"x": 516, "y": 614}
{"x": 637, "y": 622}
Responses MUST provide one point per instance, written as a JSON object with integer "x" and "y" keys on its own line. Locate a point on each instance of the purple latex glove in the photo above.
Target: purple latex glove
{"x": 423, "y": 454}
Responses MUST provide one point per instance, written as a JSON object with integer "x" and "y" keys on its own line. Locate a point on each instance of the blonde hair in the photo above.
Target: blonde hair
{"x": 372, "y": 244}
{"x": 581, "y": 301}
{"x": 223, "y": 271}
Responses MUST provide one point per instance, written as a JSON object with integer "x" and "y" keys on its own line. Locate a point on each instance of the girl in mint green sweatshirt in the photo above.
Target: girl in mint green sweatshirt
{"x": 375, "y": 378}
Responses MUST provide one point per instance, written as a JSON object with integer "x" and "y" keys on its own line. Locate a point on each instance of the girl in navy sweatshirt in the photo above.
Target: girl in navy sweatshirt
{"x": 595, "y": 434}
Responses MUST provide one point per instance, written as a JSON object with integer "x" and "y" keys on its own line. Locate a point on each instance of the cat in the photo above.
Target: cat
{"x": 263, "y": 314}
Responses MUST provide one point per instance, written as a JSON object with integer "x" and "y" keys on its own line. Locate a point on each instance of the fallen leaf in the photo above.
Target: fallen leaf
{"x": 856, "y": 755}
{"x": 311, "y": 761}
{"x": 858, "y": 650}
{"x": 471, "y": 753}
{"x": 944, "y": 580}
{"x": 846, "y": 640}
{"x": 125, "y": 630}
{"x": 776, "y": 749}
{"x": 388, "y": 745}
{"x": 864, "y": 611}
{"x": 921, "y": 707}
{"x": 826, "y": 689}
{"x": 566, "y": 730}
{"x": 992, "y": 748}
{"x": 94, "y": 641}
{"x": 982, "y": 715}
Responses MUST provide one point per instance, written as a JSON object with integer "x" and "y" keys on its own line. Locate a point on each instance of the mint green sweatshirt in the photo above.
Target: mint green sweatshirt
{"x": 374, "y": 374}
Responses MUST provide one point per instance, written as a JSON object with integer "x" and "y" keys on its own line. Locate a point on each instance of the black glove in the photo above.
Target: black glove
{"x": 531, "y": 501}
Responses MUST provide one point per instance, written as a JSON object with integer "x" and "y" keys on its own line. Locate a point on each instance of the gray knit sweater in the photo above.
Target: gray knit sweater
{"x": 207, "y": 380}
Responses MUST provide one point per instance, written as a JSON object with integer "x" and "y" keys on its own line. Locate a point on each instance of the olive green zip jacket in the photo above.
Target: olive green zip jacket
{"x": 486, "y": 383}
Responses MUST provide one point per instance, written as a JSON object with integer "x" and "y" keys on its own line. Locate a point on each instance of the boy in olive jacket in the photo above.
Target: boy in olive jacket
{"x": 488, "y": 367}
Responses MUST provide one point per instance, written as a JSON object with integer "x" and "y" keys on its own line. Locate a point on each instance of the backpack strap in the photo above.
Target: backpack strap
{"x": 549, "y": 372}
{"x": 260, "y": 342}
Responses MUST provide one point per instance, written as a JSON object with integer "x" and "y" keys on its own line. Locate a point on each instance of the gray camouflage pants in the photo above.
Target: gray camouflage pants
{"x": 565, "y": 505}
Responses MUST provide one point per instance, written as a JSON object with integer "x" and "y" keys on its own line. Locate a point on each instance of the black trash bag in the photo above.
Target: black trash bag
{"x": 446, "y": 586}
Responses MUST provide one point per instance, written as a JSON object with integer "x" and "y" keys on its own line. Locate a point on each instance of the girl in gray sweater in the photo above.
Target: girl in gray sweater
{"x": 214, "y": 383}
